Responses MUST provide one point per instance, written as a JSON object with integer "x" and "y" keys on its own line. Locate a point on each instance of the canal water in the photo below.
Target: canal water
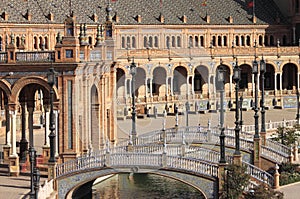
{"x": 144, "y": 186}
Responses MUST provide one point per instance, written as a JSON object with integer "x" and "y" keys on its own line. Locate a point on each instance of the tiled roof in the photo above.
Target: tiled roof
{"x": 219, "y": 10}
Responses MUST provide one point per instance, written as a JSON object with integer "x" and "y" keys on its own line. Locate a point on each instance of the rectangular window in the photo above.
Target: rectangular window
{"x": 70, "y": 118}
{"x": 69, "y": 53}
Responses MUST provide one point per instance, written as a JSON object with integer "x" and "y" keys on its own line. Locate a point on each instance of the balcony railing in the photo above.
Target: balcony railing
{"x": 35, "y": 56}
{"x": 3, "y": 57}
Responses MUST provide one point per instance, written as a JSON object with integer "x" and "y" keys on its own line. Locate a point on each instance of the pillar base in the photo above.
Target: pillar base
{"x": 256, "y": 152}
{"x": 46, "y": 153}
{"x": 51, "y": 170}
{"x": 222, "y": 177}
{"x": 6, "y": 152}
{"x": 14, "y": 167}
{"x": 130, "y": 148}
{"x": 263, "y": 138}
{"x": 237, "y": 159}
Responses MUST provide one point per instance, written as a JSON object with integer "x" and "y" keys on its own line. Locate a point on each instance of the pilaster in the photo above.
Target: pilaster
{"x": 257, "y": 152}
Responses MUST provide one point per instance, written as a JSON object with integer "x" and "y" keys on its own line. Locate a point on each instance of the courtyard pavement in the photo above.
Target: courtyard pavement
{"x": 18, "y": 187}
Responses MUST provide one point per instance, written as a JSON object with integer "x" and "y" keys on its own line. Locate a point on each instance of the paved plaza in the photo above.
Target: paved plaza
{"x": 18, "y": 187}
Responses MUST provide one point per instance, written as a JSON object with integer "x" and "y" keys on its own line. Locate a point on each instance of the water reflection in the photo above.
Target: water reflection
{"x": 142, "y": 186}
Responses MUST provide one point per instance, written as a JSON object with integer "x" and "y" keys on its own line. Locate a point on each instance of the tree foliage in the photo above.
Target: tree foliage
{"x": 287, "y": 135}
{"x": 236, "y": 180}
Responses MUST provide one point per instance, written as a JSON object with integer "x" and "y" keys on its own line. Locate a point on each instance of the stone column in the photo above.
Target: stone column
{"x": 14, "y": 168}
{"x": 46, "y": 147}
{"x": 56, "y": 132}
{"x": 167, "y": 87}
{"x": 253, "y": 89}
{"x": 256, "y": 152}
{"x": 222, "y": 177}
{"x": 23, "y": 141}
{"x": 172, "y": 86}
{"x": 30, "y": 125}
{"x": 151, "y": 95}
{"x": 6, "y": 148}
{"x": 275, "y": 83}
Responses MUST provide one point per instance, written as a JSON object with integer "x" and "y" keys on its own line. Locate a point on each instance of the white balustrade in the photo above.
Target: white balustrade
{"x": 259, "y": 174}
{"x": 46, "y": 189}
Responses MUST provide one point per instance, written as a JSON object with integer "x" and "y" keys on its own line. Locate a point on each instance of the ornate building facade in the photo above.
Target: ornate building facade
{"x": 177, "y": 47}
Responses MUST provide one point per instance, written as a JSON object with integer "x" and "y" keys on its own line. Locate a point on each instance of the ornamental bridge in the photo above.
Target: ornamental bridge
{"x": 188, "y": 154}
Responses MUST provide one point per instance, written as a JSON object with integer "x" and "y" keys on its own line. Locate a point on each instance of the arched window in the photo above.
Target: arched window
{"x": 242, "y": 41}
{"x": 191, "y": 42}
{"x": 156, "y": 42}
{"x": 196, "y": 41}
{"x": 18, "y": 42}
{"x": 219, "y": 41}
{"x": 225, "y": 43}
{"x": 46, "y": 43}
{"x": 248, "y": 40}
{"x": 90, "y": 40}
{"x": 35, "y": 43}
{"x": 260, "y": 40}
{"x": 173, "y": 42}
{"x": 133, "y": 42}
{"x": 128, "y": 41}
{"x": 168, "y": 42}
{"x": 145, "y": 42}
{"x": 178, "y": 41}
{"x": 1, "y": 43}
{"x": 201, "y": 41}
{"x": 213, "y": 40}
{"x": 150, "y": 42}
{"x": 237, "y": 40}
{"x": 123, "y": 42}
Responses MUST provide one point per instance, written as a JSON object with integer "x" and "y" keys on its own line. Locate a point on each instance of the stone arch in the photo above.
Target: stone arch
{"x": 16, "y": 89}
{"x": 120, "y": 82}
{"x": 289, "y": 76}
{"x": 180, "y": 75}
{"x": 159, "y": 81}
{"x": 5, "y": 86}
{"x": 202, "y": 183}
{"x": 269, "y": 77}
{"x": 201, "y": 78}
{"x": 140, "y": 82}
{"x": 227, "y": 77}
{"x": 246, "y": 77}
{"x": 94, "y": 121}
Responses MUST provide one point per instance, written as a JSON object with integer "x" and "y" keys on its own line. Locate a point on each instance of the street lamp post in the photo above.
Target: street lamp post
{"x": 241, "y": 112}
{"x": 187, "y": 109}
{"x": 51, "y": 82}
{"x": 298, "y": 115}
{"x": 36, "y": 182}
{"x": 176, "y": 116}
{"x": 262, "y": 71}
{"x": 133, "y": 112}
{"x": 164, "y": 131}
{"x": 32, "y": 166}
{"x": 221, "y": 80}
{"x": 236, "y": 79}
{"x": 255, "y": 72}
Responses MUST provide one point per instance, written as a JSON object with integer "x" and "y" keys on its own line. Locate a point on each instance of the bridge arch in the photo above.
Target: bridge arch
{"x": 68, "y": 184}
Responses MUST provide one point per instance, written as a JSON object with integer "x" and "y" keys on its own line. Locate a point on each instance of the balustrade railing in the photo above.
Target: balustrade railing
{"x": 35, "y": 56}
{"x": 193, "y": 165}
{"x": 275, "y": 155}
{"x": 259, "y": 174}
{"x": 3, "y": 57}
{"x": 135, "y": 159}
